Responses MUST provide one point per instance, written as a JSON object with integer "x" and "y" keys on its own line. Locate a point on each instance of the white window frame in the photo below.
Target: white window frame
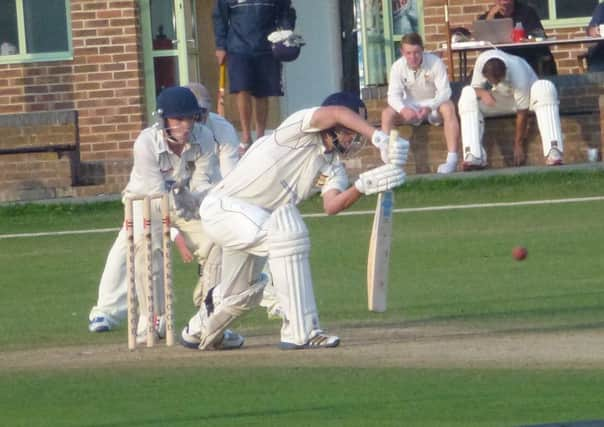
{"x": 554, "y": 22}
{"x": 38, "y": 57}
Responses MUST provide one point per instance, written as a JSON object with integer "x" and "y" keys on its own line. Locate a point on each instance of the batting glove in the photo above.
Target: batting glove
{"x": 394, "y": 152}
{"x": 382, "y": 178}
{"x": 398, "y": 150}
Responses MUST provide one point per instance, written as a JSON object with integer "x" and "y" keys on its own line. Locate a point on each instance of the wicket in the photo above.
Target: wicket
{"x": 130, "y": 270}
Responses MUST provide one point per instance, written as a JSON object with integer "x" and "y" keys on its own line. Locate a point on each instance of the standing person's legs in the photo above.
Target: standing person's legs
{"x": 267, "y": 83}
{"x": 244, "y": 106}
{"x": 241, "y": 83}
{"x": 111, "y": 306}
{"x": 261, "y": 114}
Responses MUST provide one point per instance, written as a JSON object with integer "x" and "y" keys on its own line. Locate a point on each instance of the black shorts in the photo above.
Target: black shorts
{"x": 259, "y": 75}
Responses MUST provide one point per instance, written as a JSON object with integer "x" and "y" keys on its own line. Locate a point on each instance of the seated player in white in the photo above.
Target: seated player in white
{"x": 252, "y": 215}
{"x": 419, "y": 91}
{"x": 503, "y": 84}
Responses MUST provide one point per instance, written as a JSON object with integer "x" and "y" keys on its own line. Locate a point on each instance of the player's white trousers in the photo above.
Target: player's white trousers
{"x": 248, "y": 235}
{"x": 543, "y": 101}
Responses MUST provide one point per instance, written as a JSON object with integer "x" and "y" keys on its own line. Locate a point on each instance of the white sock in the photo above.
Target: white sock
{"x": 452, "y": 157}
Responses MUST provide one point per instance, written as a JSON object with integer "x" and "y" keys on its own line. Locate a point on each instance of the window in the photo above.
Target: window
{"x": 564, "y": 11}
{"x": 34, "y": 30}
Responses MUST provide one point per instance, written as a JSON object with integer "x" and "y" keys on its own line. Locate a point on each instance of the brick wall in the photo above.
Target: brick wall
{"x": 103, "y": 82}
{"x": 463, "y": 13}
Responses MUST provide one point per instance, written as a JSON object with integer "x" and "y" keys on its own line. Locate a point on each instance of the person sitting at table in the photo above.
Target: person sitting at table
{"x": 419, "y": 91}
{"x": 540, "y": 58}
{"x": 595, "y": 54}
{"x": 502, "y": 84}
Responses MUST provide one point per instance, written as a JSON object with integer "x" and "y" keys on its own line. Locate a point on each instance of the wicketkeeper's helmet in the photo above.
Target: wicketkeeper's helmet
{"x": 349, "y": 100}
{"x": 177, "y": 101}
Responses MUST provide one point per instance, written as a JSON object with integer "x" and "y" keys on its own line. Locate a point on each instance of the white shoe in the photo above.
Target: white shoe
{"x": 554, "y": 157}
{"x": 471, "y": 163}
{"x": 445, "y": 168}
{"x": 100, "y": 324}
{"x": 160, "y": 330}
{"x": 230, "y": 340}
{"x": 319, "y": 340}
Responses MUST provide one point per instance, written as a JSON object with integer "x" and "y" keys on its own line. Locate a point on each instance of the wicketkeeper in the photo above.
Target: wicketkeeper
{"x": 178, "y": 154}
{"x": 252, "y": 215}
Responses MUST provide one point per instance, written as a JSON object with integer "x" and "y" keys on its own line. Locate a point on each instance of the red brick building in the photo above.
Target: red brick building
{"x": 81, "y": 76}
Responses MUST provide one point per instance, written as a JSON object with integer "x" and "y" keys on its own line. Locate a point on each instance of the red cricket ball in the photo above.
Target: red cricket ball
{"x": 519, "y": 253}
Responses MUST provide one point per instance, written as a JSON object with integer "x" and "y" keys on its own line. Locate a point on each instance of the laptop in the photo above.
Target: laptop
{"x": 493, "y": 30}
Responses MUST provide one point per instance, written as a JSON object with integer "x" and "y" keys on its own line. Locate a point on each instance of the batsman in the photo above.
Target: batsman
{"x": 252, "y": 215}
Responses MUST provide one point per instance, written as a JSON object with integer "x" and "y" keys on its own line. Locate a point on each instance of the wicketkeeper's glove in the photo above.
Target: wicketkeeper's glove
{"x": 382, "y": 178}
{"x": 394, "y": 152}
{"x": 186, "y": 203}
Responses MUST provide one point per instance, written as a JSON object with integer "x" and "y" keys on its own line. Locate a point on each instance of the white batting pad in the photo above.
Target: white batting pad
{"x": 472, "y": 124}
{"x": 545, "y": 104}
{"x": 289, "y": 247}
{"x": 210, "y": 275}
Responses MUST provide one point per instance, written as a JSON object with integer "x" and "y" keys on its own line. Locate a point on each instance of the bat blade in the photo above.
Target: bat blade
{"x": 378, "y": 260}
{"x": 221, "y": 85}
{"x": 379, "y": 253}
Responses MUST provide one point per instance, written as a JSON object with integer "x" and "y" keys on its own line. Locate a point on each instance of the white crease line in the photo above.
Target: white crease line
{"x": 349, "y": 213}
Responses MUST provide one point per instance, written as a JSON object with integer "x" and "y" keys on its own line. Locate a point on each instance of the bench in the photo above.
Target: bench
{"x": 26, "y": 142}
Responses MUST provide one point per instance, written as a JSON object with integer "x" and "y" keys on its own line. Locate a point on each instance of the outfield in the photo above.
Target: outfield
{"x": 471, "y": 337}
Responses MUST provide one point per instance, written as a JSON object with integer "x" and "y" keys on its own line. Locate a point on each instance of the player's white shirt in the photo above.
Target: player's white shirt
{"x": 518, "y": 79}
{"x": 227, "y": 141}
{"x": 287, "y": 166}
{"x": 156, "y": 168}
{"x": 427, "y": 87}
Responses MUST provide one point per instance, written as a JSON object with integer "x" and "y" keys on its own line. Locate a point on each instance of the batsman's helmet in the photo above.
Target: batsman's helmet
{"x": 177, "y": 101}
{"x": 347, "y": 99}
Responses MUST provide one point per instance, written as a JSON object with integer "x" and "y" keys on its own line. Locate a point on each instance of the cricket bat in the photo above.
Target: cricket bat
{"x": 379, "y": 250}
{"x": 221, "y": 85}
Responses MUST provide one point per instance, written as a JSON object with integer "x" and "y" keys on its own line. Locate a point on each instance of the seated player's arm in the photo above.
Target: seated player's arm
{"x": 485, "y": 96}
{"x": 335, "y": 201}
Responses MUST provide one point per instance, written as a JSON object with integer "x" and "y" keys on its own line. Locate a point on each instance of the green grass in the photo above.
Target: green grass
{"x": 448, "y": 267}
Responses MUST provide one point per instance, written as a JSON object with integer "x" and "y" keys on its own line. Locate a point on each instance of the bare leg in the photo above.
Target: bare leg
{"x": 244, "y": 105}
{"x": 451, "y": 126}
{"x": 388, "y": 118}
{"x": 261, "y": 107}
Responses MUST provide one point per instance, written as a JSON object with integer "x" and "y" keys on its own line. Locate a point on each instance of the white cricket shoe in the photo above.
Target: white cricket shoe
{"x": 472, "y": 163}
{"x": 160, "y": 330}
{"x": 100, "y": 324}
{"x": 319, "y": 340}
{"x": 230, "y": 340}
{"x": 447, "y": 167}
{"x": 554, "y": 157}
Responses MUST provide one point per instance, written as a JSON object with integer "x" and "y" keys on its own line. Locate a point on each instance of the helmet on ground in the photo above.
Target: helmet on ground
{"x": 347, "y": 99}
{"x": 177, "y": 101}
